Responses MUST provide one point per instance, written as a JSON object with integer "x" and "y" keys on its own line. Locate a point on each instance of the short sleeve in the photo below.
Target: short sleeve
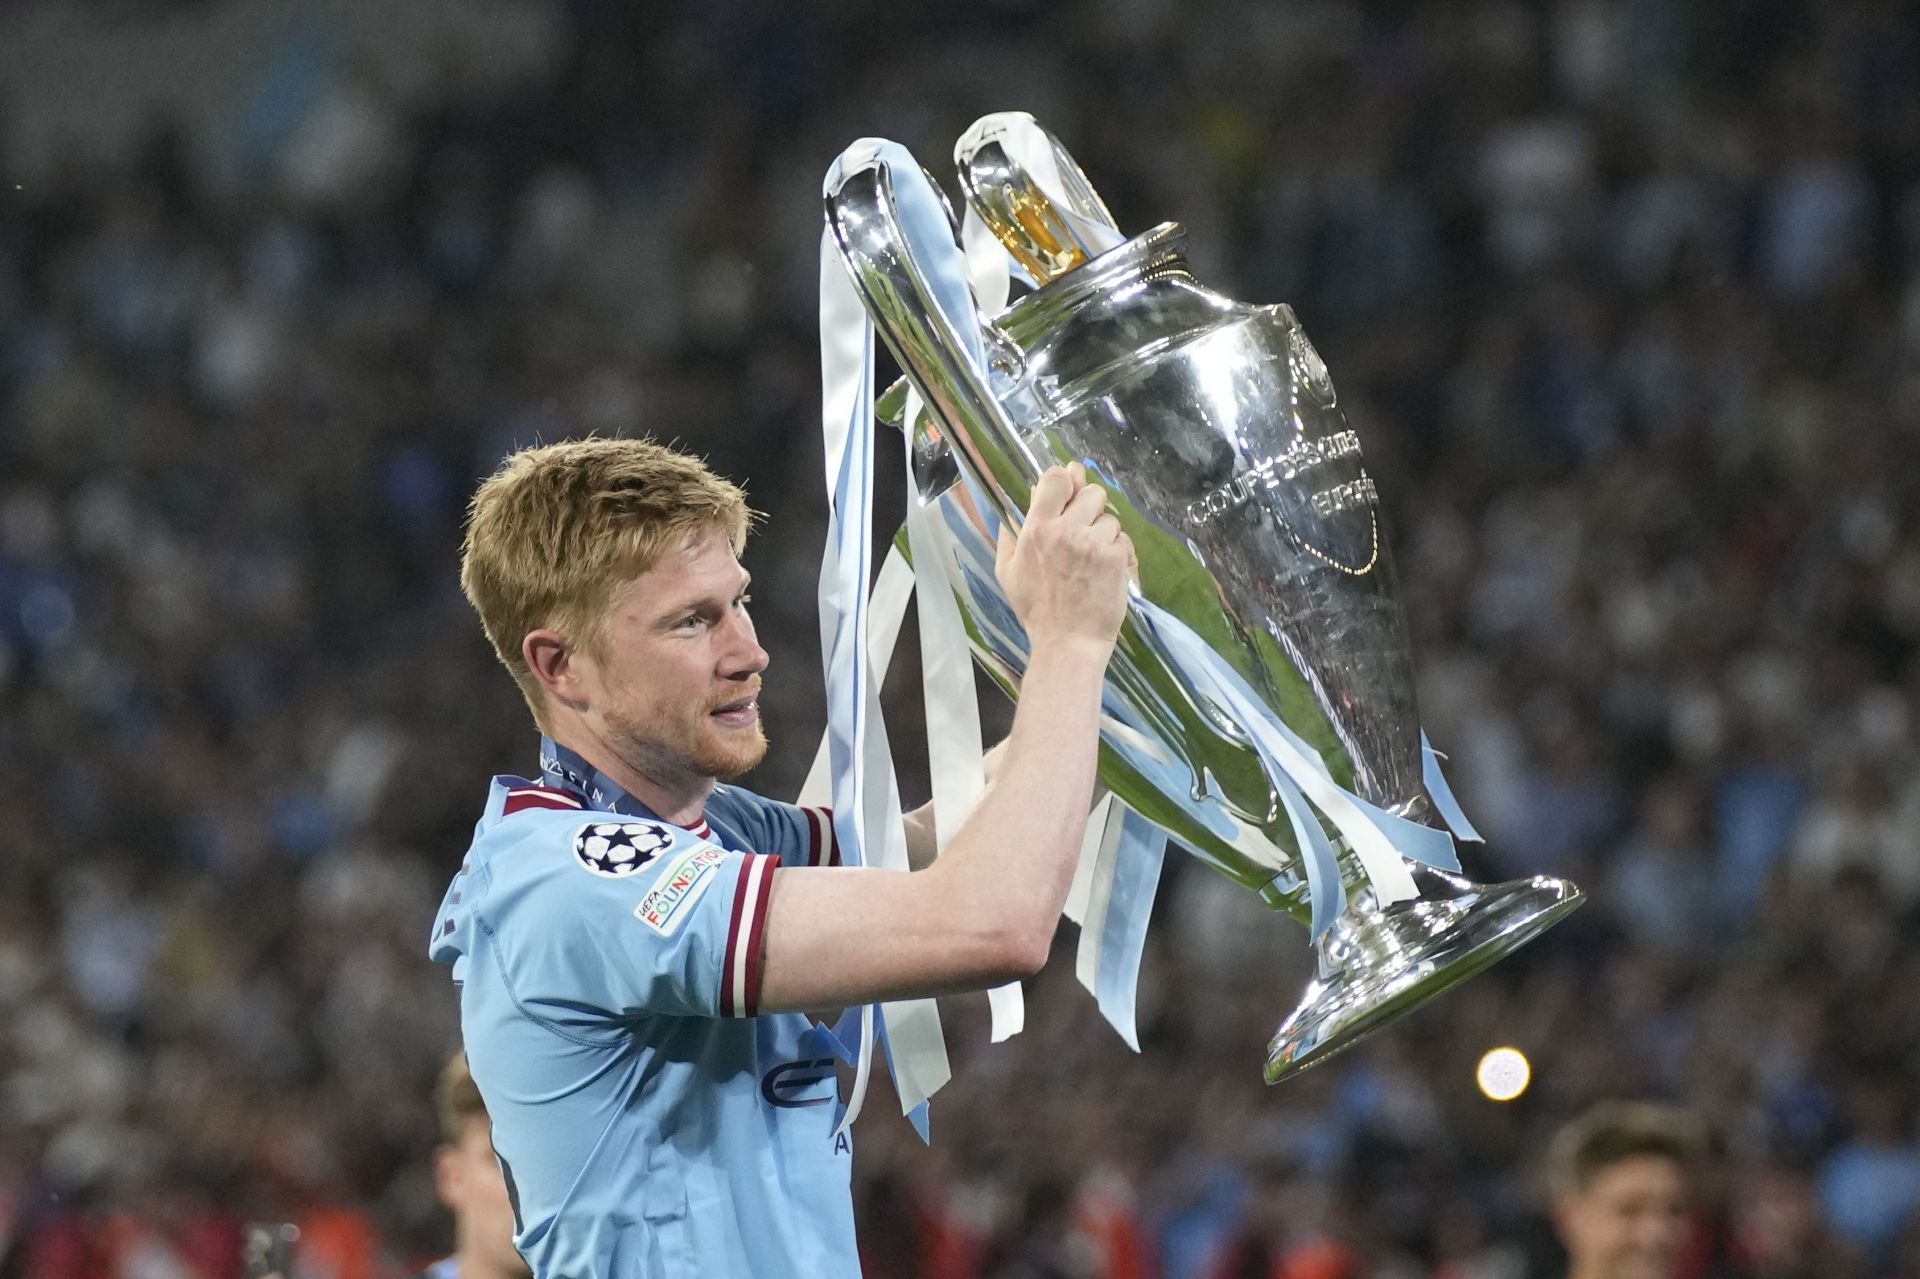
{"x": 610, "y": 920}
{"x": 798, "y": 835}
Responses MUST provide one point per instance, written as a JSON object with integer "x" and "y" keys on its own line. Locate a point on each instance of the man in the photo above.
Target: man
{"x": 636, "y": 942}
{"x": 468, "y": 1179}
{"x": 1622, "y": 1178}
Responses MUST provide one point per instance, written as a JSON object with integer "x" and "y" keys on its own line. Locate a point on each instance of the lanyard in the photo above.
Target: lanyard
{"x": 566, "y": 769}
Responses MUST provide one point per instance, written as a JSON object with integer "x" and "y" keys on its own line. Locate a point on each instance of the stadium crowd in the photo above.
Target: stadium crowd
{"x": 1623, "y": 295}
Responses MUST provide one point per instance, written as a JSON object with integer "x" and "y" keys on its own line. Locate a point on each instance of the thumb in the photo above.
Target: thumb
{"x": 1003, "y": 552}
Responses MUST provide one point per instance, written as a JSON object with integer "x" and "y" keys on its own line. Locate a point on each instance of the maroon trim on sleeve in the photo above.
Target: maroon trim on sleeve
{"x": 740, "y": 967}
{"x": 822, "y": 849}
{"x": 757, "y": 940}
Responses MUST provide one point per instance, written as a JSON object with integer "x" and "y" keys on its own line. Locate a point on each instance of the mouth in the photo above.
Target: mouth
{"x": 739, "y": 713}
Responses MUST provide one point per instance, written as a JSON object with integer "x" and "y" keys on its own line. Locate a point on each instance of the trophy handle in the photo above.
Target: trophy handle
{"x": 1022, "y": 183}
{"x": 890, "y": 250}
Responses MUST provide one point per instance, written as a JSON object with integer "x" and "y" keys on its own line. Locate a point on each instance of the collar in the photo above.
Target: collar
{"x": 566, "y": 769}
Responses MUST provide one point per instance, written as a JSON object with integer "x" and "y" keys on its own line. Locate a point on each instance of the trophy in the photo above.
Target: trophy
{"x": 1259, "y": 706}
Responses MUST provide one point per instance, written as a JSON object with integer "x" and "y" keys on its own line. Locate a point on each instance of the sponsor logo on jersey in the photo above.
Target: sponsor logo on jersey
{"x": 785, "y": 1084}
{"x": 678, "y": 888}
{"x": 616, "y": 850}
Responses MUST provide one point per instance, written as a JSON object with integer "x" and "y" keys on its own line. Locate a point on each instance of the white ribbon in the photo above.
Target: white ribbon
{"x": 886, "y": 610}
{"x": 955, "y": 748}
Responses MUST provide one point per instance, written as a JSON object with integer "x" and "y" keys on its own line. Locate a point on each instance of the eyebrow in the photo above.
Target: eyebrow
{"x": 694, "y": 606}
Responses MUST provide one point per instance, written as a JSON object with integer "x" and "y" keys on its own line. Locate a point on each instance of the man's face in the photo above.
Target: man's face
{"x": 1629, "y": 1222}
{"x": 676, "y": 678}
{"x": 470, "y": 1185}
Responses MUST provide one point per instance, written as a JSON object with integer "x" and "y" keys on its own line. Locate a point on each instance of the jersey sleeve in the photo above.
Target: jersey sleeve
{"x": 607, "y": 920}
{"x": 799, "y": 836}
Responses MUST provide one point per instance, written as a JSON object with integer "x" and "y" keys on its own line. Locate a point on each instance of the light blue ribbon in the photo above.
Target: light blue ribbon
{"x": 844, "y": 586}
{"x": 1138, "y": 858}
{"x": 1442, "y": 794}
{"x": 1223, "y": 685}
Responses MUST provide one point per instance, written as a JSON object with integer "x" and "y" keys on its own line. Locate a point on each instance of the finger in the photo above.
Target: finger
{"x": 1051, "y": 493}
{"x": 1003, "y": 551}
{"x": 1077, "y": 473}
{"x": 1107, "y": 529}
{"x": 1087, "y": 505}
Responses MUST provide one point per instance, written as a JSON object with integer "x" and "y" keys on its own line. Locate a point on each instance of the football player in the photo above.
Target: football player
{"x": 636, "y": 941}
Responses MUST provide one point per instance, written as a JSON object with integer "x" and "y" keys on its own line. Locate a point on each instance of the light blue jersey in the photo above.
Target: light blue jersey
{"x": 649, "y": 1123}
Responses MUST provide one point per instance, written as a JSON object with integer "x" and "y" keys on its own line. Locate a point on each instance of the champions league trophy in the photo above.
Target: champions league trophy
{"x": 1259, "y": 706}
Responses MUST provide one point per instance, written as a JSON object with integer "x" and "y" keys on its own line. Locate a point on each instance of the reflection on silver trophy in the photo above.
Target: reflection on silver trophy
{"x": 1260, "y": 704}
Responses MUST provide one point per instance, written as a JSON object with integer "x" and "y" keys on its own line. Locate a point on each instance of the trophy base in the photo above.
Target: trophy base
{"x": 1378, "y": 963}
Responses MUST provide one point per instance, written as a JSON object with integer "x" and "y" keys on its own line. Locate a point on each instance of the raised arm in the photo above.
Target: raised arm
{"x": 984, "y": 912}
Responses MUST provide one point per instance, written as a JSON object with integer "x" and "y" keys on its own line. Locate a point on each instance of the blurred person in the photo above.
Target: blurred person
{"x": 1301, "y": 1223}
{"x": 1662, "y": 882}
{"x": 1622, "y": 1178}
{"x": 1870, "y": 1183}
{"x": 1779, "y": 1233}
{"x": 633, "y": 941}
{"x": 1858, "y": 826}
{"x": 1277, "y": 1201}
{"x": 469, "y": 1182}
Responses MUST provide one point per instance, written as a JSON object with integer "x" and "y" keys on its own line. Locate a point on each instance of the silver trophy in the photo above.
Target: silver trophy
{"x": 1216, "y": 430}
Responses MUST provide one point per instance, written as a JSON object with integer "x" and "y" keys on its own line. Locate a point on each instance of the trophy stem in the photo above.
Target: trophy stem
{"x": 1376, "y": 963}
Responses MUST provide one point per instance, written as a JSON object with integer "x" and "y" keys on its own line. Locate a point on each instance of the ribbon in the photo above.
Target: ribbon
{"x": 846, "y": 377}
{"x": 955, "y": 754}
{"x": 886, "y": 610}
{"x": 1378, "y": 838}
{"x": 1112, "y": 900}
{"x": 867, "y": 822}
{"x": 1442, "y": 794}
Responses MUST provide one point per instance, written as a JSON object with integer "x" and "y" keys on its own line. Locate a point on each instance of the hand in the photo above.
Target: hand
{"x": 1067, "y": 572}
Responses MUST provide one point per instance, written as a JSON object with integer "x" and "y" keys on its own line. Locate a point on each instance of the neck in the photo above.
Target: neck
{"x": 673, "y": 795}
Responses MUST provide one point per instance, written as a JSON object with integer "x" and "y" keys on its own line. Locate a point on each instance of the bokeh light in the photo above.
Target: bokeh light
{"x": 1503, "y": 1074}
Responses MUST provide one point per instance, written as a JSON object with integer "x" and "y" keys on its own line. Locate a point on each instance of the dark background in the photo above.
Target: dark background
{"x": 1621, "y": 295}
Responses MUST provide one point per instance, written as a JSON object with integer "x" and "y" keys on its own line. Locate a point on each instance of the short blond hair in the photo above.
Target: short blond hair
{"x": 554, "y": 531}
{"x": 456, "y": 1099}
{"x": 1618, "y": 1130}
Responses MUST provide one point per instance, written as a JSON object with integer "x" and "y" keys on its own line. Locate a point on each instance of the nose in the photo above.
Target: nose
{"x": 741, "y": 656}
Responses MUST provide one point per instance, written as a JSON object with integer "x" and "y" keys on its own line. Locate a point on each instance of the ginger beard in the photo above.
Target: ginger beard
{"x": 690, "y": 739}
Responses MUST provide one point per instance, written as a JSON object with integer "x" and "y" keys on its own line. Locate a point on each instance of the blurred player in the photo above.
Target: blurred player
{"x": 635, "y": 942}
{"x": 468, "y": 1178}
{"x": 1623, "y": 1177}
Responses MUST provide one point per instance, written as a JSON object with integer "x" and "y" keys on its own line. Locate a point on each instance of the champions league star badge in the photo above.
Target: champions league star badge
{"x": 618, "y": 849}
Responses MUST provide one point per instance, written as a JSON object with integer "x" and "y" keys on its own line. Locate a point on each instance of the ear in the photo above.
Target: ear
{"x": 556, "y": 664}
{"x": 449, "y": 1177}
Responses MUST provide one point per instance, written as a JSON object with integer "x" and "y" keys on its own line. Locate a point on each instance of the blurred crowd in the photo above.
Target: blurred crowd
{"x": 1622, "y": 295}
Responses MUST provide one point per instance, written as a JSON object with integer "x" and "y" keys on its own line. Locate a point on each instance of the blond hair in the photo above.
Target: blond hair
{"x": 456, "y": 1099}
{"x": 559, "y": 527}
{"x": 1617, "y": 1130}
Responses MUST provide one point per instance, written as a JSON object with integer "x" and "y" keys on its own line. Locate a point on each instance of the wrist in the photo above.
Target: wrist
{"x": 1084, "y": 653}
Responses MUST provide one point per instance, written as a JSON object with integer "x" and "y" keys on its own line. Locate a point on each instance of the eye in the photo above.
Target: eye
{"x": 688, "y": 622}
{"x": 742, "y": 600}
